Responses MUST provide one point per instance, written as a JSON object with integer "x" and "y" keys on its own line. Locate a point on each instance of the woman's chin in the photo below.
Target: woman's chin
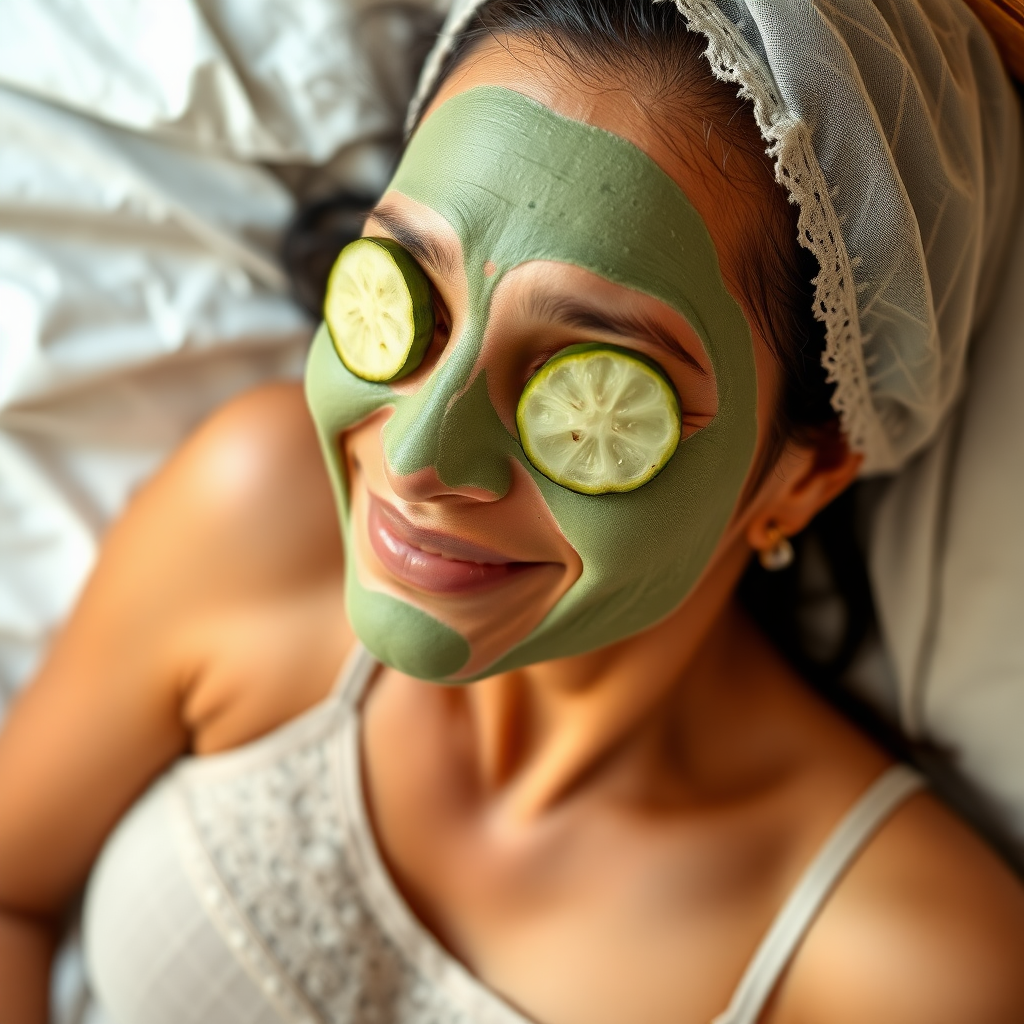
{"x": 492, "y": 629}
{"x": 493, "y": 606}
{"x": 492, "y": 617}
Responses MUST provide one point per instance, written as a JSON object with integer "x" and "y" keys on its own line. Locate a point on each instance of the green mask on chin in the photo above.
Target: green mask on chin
{"x": 518, "y": 182}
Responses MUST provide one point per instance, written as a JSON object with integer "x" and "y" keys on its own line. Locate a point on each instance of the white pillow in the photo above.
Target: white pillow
{"x": 947, "y": 564}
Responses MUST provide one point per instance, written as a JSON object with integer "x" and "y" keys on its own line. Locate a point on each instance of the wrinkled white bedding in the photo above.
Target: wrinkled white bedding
{"x": 152, "y": 154}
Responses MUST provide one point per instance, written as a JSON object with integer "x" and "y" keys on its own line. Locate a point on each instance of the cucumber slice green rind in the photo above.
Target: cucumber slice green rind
{"x": 379, "y": 310}
{"x": 598, "y": 419}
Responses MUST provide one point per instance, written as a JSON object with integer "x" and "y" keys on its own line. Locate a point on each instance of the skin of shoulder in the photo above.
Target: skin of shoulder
{"x": 213, "y": 614}
{"x": 268, "y": 571}
{"x": 927, "y": 927}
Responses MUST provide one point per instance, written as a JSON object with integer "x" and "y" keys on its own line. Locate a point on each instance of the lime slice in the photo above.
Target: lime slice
{"x": 379, "y": 309}
{"x": 598, "y": 419}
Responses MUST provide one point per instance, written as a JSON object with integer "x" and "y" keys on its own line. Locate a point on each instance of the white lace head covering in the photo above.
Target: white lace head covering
{"x": 895, "y": 129}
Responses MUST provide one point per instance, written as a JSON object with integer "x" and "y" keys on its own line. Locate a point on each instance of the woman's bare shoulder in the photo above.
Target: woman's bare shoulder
{"x": 219, "y": 590}
{"x": 260, "y": 559}
{"x": 927, "y": 927}
{"x": 251, "y": 486}
{"x": 241, "y": 513}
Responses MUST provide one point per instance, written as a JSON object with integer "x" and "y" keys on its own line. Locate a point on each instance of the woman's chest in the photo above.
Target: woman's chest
{"x": 300, "y": 900}
{"x": 596, "y": 916}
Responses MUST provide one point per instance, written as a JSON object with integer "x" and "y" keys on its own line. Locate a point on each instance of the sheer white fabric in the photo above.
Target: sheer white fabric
{"x": 895, "y": 129}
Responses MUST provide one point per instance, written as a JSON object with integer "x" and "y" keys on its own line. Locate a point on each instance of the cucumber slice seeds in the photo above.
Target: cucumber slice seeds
{"x": 379, "y": 309}
{"x": 598, "y": 419}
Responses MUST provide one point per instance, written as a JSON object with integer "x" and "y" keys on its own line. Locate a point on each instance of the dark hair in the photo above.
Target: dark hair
{"x": 647, "y": 48}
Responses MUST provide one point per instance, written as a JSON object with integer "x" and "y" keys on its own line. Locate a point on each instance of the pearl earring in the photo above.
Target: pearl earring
{"x": 779, "y": 553}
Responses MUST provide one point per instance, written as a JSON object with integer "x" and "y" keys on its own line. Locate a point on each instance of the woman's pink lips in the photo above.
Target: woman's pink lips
{"x": 433, "y": 561}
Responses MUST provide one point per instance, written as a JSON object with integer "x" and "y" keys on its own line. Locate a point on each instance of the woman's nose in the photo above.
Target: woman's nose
{"x": 447, "y": 439}
{"x": 426, "y": 485}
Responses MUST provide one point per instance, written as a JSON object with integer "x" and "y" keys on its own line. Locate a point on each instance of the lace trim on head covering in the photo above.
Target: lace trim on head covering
{"x": 895, "y": 129}
{"x": 797, "y": 169}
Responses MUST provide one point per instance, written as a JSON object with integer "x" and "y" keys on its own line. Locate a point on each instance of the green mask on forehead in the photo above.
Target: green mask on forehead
{"x": 518, "y": 182}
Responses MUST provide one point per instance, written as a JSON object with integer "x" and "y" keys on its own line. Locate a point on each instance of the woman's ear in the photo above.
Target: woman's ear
{"x": 805, "y": 480}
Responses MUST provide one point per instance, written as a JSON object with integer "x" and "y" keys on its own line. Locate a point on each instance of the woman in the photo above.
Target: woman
{"x": 627, "y": 800}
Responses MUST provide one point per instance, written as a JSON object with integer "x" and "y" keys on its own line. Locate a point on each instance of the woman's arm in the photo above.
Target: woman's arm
{"x": 26, "y": 950}
{"x": 100, "y": 720}
{"x": 232, "y": 530}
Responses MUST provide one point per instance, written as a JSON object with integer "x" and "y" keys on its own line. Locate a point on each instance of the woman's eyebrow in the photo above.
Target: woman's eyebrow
{"x": 437, "y": 257}
{"x": 628, "y": 325}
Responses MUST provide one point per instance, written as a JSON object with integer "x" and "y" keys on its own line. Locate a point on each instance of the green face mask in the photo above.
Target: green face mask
{"x": 518, "y": 182}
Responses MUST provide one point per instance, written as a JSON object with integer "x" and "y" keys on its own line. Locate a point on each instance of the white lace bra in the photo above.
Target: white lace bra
{"x": 246, "y": 888}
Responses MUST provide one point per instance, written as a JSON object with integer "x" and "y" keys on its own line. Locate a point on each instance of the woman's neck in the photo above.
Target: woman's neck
{"x": 539, "y": 731}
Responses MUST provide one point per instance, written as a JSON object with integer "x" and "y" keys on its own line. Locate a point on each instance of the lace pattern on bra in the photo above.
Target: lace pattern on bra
{"x": 268, "y": 852}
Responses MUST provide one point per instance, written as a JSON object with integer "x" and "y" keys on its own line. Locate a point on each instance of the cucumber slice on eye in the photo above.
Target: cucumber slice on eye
{"x": 598, "y": 419}
{"x": 379, "y": 309}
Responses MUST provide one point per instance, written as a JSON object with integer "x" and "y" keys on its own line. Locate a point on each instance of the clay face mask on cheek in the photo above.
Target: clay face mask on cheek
{"x": 518, "y": 182}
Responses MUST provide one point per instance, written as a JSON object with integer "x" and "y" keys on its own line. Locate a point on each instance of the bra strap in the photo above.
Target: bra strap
{"x": 780, "y": 943}
{"x": 356, "y": 672}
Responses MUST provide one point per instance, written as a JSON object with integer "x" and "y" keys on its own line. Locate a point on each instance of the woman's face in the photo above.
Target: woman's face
{"x": 544, "y": 216}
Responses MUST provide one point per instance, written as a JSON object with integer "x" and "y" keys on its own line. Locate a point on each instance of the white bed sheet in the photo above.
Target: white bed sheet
{"x": 152, "y": 155}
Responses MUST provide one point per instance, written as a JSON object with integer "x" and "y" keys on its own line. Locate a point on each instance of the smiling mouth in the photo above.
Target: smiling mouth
{"x": 432, "y": 561}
